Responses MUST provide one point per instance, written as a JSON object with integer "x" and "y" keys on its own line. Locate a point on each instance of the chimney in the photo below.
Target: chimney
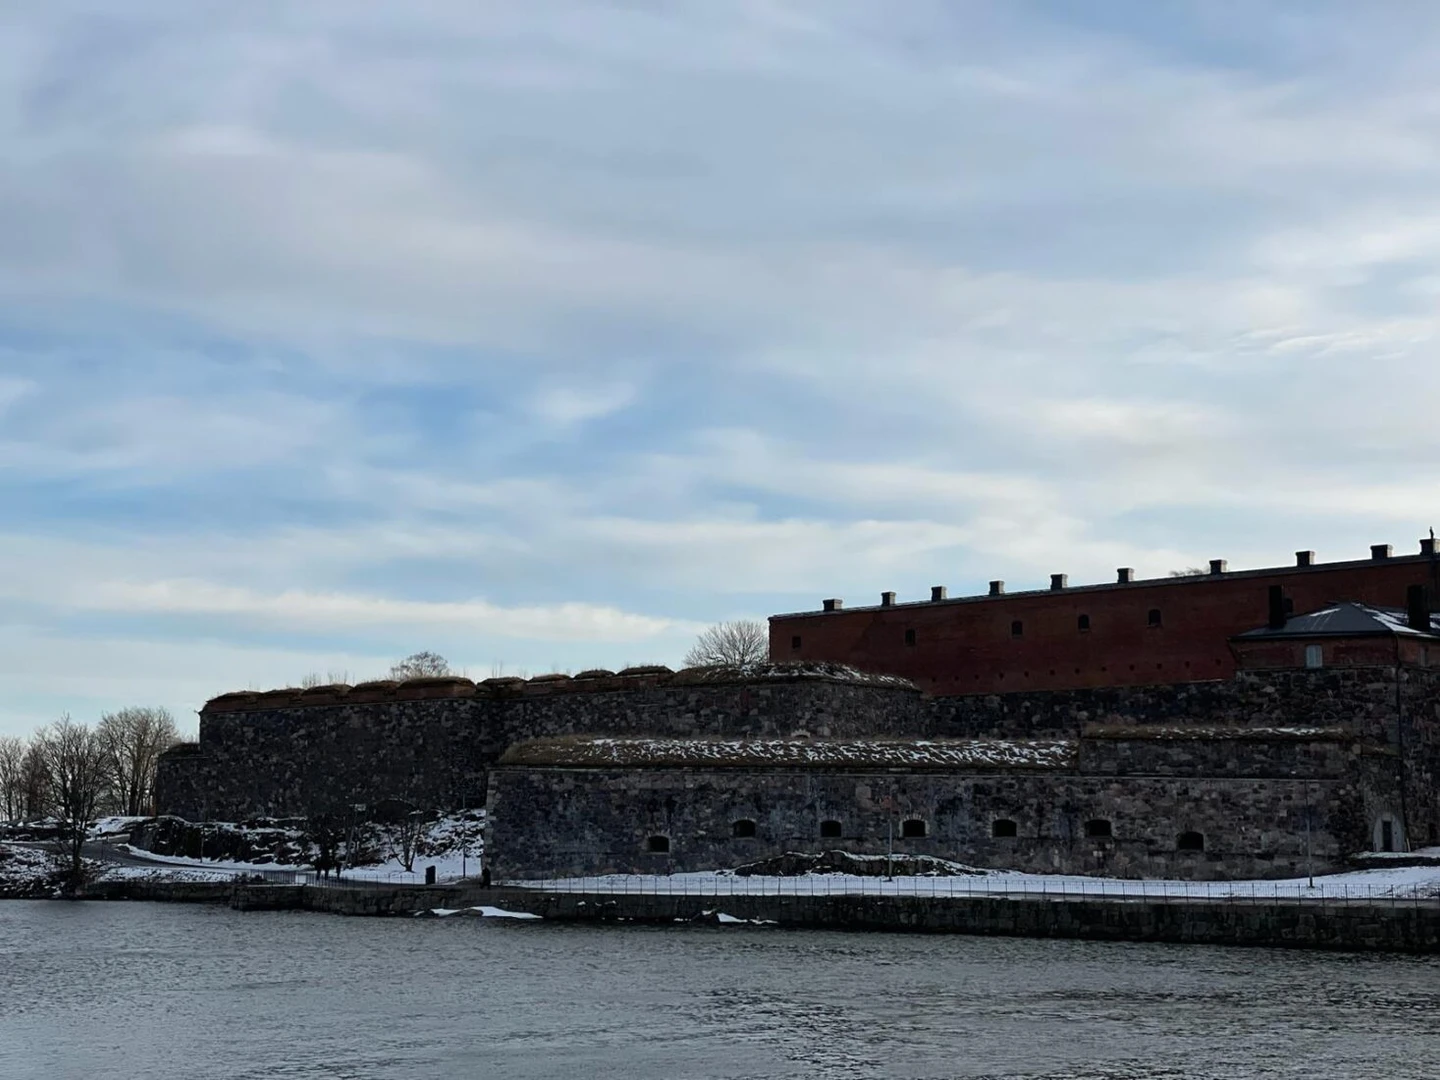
{"x": 833, "y": 604}
{"x": 1430, "y": 546}
{"x": 1059, "y": 581}
{"x": 1417, "y": 609}
{"x": 887, "y": 599}
{"x": 1277, "y": 608}
{"x": 1380, "y": 551}
{"x": 1126, "y": 574}
{"x": 997, "y": 588}
{"x": 1304, "y": 558}
{"x": 1217, "y": 566}
{"x": 937, "y": 592}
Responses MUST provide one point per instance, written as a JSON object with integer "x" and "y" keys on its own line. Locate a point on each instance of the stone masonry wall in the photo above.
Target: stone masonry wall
{"x": 298, "y": 752}
{"x": 564, "y": 821}
{"x": 1362, "y": 699}
{"x": 1419, "y": 702}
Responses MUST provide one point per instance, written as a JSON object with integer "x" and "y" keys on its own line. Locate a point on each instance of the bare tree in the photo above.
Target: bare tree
{"x": 77, "y": 776}
{"x": 34, "y": 783}
{"x": 405, "y": 838}
{"x": 133, "y": 740}
{"x": 730, "y": 644}
{"x": 420, "y": 665}
{"x": 12, "y": 764}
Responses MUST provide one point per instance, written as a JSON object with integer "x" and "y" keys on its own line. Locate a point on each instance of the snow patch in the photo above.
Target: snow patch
{"x": 482, "y": 911}
{"x": 599, "y": 752}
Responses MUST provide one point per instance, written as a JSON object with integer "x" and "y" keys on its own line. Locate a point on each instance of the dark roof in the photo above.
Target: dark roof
{"x": 1344, "y": 620}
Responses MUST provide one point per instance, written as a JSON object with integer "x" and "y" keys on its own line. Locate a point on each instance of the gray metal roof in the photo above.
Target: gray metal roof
{"x": 1344, "y": 620}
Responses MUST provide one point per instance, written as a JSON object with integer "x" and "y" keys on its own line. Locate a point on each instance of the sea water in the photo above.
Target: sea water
{"x": 124, "y": 990}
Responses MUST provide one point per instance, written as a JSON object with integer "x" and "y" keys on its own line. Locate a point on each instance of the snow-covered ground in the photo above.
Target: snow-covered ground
{"x": 1400, "y": 883}
{"x": 452, "y": 844}
{"x": 109, "y": 827}
{"x": 451, "y": 866}
{"x": 169, "y": 874}
{"x": 229, "y": 869}
{"x": 25, "y": 871}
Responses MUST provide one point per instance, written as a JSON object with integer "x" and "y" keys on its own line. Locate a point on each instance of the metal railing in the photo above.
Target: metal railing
{"x": 997, "y": 886}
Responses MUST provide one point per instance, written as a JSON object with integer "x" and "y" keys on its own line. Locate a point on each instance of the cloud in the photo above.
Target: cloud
{"x": 334, "y": 611}
{"x": 12, "y": 391}
{"x": 566, "y": 406}
{"x": 542, "y": 333}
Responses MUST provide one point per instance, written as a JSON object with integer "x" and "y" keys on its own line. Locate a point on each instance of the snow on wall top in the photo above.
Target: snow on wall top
{"x": 1178, "y": 732}
{"x": 596, "y": 752}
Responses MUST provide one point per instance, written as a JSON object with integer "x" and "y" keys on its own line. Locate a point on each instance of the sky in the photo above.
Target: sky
{"x": 544, "y": 335}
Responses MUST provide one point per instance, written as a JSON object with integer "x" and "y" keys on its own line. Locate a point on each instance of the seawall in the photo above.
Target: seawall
{"x": 1403, "y": 926}
{"x": 1406, "y": 926}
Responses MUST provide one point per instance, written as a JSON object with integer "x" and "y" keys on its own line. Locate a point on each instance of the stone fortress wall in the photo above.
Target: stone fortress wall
{"x": 431, "y": 742}
{"x": 1243, "y": 762}
{"x": 1145, "y": 805}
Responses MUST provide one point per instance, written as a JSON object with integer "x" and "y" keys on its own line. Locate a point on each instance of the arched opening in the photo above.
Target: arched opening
{"x": 660, "y": 845}
{"x": 1083, "y": 624}
{"x": 1153, "y": 617}
{"x": 1017, "y": 629}
{"x": 830, "y": 829}
{"x": 743, "y": 827}
{"x": 1098, "y": 828}
{"x": 1003, "y": 827}
{"x": 912, "y": 827}
{"x": 1190, "y": 841}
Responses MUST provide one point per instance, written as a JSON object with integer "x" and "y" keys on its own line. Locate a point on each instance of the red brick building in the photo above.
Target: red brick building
{"x": 1126, "y": 632}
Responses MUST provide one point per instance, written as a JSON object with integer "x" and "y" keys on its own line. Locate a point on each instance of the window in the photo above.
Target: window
{"x": 1153, "y": 618}
{"x": 912, "y": 827}
{"x": 1083, "y": 624}
{"x": 830, "y": 829}
{"x": 1003, "y": 827}
{"x": 1190, "y": 841}
{"x": 743, "y": 827}
{"x": 1098, "y": 827}
{"x": 1314, "y": 656}
{"x": 795, "y": 642}
{"x": 1017, "y": 629}
{"x": 909, "y": 637}
{"x": 658, "y": 844}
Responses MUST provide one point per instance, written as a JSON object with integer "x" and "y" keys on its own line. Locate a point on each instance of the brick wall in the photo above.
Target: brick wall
{"x": 967, "y": 645}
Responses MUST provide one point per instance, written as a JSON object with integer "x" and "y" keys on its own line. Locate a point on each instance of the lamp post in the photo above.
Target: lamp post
{"x": 1309, "y": 815}
{"x": 889, "y": 804}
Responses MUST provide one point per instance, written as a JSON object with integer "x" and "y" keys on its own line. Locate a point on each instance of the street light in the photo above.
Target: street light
{"x": 1309, "y": 815}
